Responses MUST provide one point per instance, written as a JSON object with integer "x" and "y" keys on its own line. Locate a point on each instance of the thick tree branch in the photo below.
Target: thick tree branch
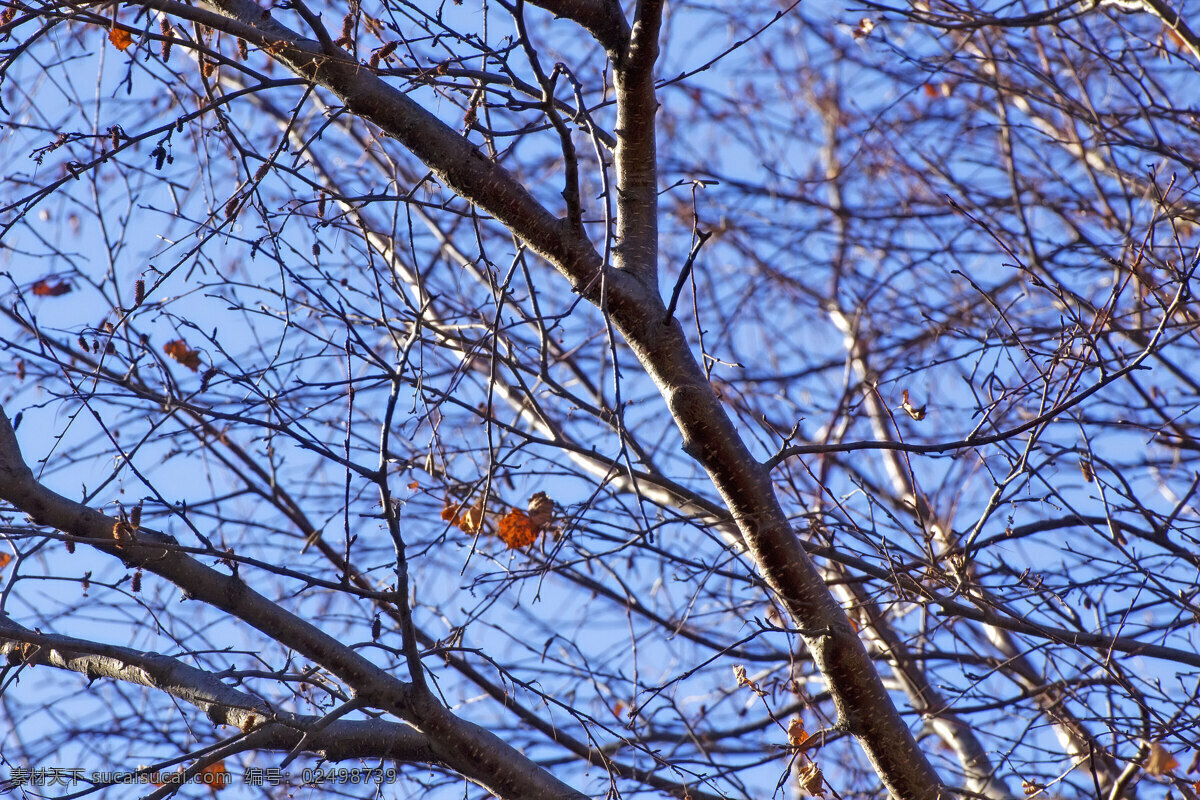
{"x": 452, "y": 158}
{"x": 267, "y": 728}
{"x": 631, "y": 298}
{"x": 636, "y": 157}
{"x": 463, "y": 746}
{"x": 603, "y": 19}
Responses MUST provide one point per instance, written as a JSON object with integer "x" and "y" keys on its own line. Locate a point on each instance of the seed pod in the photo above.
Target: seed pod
{"x": 168, "y": 36}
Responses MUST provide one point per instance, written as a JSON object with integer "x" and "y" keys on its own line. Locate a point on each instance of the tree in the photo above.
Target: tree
{"x": 587, "y": 398}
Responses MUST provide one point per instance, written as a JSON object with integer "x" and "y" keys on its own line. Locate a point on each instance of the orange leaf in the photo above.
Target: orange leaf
{"x": 5, "y": 558}
{"x": 179, "y": 350}
{"x": 45, "y": 288}
{"x": 797, "y": 736}
{"x": 468, "y": 521}
{"x": 416, "y": 485}
{"x": 214, "y": 776}
{"x": 120, "y": 38}
{"x": 515, "y": 529}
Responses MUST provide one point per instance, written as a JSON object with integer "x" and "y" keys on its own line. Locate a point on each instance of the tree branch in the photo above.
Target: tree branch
{"x": 463, "y": 746}
{"x": 268, "y": 728}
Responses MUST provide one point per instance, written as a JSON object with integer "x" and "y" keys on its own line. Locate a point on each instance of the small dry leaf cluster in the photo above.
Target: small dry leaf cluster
{"x": 809, "y": 778}
{"x": 516, "y": 529}
{"x": 50, "y": 288}
{"x": 178, "y": 349}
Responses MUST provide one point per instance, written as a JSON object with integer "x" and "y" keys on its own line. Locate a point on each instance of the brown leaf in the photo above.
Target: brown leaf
{"x": 44, "y": 288}
{"x": 469, "y": 520}
{"x": 864, "y": 28}
{"x": 515, "y": 529}
{"x": 916, "y": 413}
{"x": 739, "y": 673}
{"x": 1160, "y": 761}
{"x": 215, "y": 777}
{"x": 541, "y": 511}
{"x": 811, "y": 780}
{"x": 120, "y": 38}
{"x": 179, "y": 350}
{"x": 797, "y": 736}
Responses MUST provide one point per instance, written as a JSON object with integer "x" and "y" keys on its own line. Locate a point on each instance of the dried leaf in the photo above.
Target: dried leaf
{"x": 811, "y": 780}
{"x": 1160, "y": 762}
{"x": 468, "y": 521}
{"x": 916, "y": 413}
{"x": 214, "y": 776}
{"x": 515, "y": 529}
{"x": 797, "y": 736}
{"x": 739, "y": 673}
{"x": 44, "y": 288}
{"x": 864, "y": 28}
{"x": 120, "y": 38}
{"x": 121, "y": 532}
{"x": 541, "y": 511}
{"x": 5, "y": 559}
{"x": 179, "y": 350}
